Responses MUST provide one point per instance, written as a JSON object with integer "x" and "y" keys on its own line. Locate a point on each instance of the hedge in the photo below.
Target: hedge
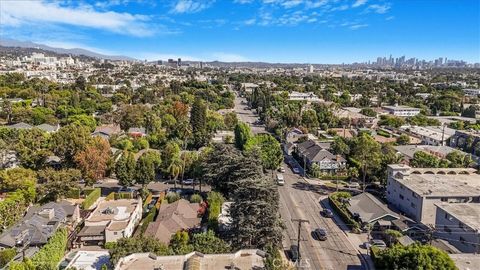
{"x": 215, "y": 201}
{"x": 147, "y": 200}
{"x": 347, "y": 219}
{"x": 6, "y": 256}
{"x": 110, "y": 196}
{"x": 91, "y": 198}
{"x": 149, "y": 218}
{"x": 123, "y": 195}
{"x": 48, "y": 257}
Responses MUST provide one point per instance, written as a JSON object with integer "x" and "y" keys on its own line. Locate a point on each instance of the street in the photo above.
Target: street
{"x": 298, "y": 201}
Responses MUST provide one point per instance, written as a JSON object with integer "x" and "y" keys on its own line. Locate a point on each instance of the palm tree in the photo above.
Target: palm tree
{"x": 174, "y": 169}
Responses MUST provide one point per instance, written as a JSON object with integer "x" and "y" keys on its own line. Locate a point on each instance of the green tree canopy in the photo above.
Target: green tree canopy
{"x": 269, "y": 149}
{"x": 242, "y": 134}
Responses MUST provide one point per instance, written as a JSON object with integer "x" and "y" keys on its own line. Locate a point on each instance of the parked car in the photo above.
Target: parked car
{"x": 296, "y": 170}
{"x": 320, "y": 234}
{"x": 327, "y": 213}
{"x": 280, "y": 180}
{"x": 294, "y": 253}
{"x": 281, "y": 169}
{"x": 188, "y": 181}
{"x": 375, "y": 243}
{"x": 353, "y": 185}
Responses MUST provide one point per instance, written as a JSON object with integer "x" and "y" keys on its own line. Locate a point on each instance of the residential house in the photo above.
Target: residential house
{"x": 242, "y": 259}
{"x": 20, "y": 125}
{"x": 39, "y": 224}
{"x": 137, "y": 132}
{"x": 430, "y": 135}
{"x": 48, "y": 128}
{"x": 466, "y": 139}
{"x": 415, "y": 191}
{"x": 249, "y": 87}
{"x": 459, "y": 224}
{"x": 408, "y": 152}
{"x": 368, "y": 210}
{"x": 107, "y": 131}
{"x": 313, "y": 153}
{"x": 354, "y": 116}
{"x": 402, "y": 111}
{"x": 308, "y": 96}
{"x": 174, "y": 217}
{"x": 290, "y": 139}
{"x": 111, "y": 220}
{"x": 87, "y": 259}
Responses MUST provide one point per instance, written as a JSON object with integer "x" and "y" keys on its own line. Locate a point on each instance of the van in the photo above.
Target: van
{"x": 280, "y": 180}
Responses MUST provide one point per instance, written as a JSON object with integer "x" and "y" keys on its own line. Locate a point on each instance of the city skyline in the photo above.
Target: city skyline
{"x": 286, "y": 31}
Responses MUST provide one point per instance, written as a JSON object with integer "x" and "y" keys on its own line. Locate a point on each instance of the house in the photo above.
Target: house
{"x": 368, "y": 210}
{"x": 39, "y": 224}
{"x": 308, "y": 96}
{"x": 174, "y": 217}
{"x": 242, "y": 259}
{"x": 313, "y": 153}
{"x": 459, "y": 224}
{"x": 111, "y": 220}
{"x": 402, "y": 111}
{"x": 471, "y": 92}
{"x": 107, "y": 131}
{"x": 415, "y": 191}
{"x": 408, "y": 151}
{"x": 430, "y": 135}
{"x": 137, "y": 132}
{"x": 48, "y": 128}
{"x": 248, "y": 87}
{"x": 290, "y": 139}
{"x": 20, "y": 125}
{"x": 88, "y": 259}
{"x": 354, "y": 116}
{"x": 463, "y": 138}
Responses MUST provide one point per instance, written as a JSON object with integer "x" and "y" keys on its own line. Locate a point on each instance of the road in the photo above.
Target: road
{"x": 300, "y": 200}
{"x": 247, "y": 116}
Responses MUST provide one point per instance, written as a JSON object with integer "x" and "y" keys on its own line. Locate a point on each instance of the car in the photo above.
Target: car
{"x": 187, "y": 181}
{"x": 294, "y": 253}
{"x": 353, "y": 185}
{"x": 281, "y": 169}
{"x": 280, "y": 179}
{"x": 327, "y": 213}
{"x": 375, "y": 243}
{"x": 320, "y": 234}
{"x": 296, "y": 170}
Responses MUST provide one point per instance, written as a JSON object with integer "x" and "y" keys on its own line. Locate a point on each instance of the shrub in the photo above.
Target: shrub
{"x": 12, "y": 209}
{"x": 110, "y": 196}
{"x": 215, "y": 201}
{"x": 334, "y": 200}
{"x": 195, "y": 198}
{"x": 6, "y": 256}
{"x": 172, "y": 197}
{"x": 73, "y": 193}
{"x": 91, "y": 198}
{"x": 149, "y": 218}
{"x": 147, "y": 200}
{"x": 123, "y": 195}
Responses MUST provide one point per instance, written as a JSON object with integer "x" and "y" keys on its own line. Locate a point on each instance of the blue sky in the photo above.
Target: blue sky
{"x": 300, "y": 31}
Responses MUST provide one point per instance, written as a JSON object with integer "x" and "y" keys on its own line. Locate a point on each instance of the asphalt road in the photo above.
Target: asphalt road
{"x": 300, "y": 200}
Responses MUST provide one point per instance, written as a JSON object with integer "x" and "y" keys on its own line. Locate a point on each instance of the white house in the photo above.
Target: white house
{"x": 402, "y": 111}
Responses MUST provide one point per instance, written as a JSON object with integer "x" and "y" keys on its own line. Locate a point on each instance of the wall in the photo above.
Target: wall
{"x": 447, "y": 228}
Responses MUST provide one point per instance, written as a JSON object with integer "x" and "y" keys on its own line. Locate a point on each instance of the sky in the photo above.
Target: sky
{"x": 287, "y": 31}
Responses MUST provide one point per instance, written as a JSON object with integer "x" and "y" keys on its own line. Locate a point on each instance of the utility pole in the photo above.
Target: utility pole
{"x": 300, "y": 221}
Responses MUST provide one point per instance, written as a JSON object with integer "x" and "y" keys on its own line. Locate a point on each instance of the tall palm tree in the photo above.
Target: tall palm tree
{"x": 174, "y": 169}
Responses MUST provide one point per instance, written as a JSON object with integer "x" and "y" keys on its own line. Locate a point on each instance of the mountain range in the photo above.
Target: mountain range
{"x": 73, "y": 51}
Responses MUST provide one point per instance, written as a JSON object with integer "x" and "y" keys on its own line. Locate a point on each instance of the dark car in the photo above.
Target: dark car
{"x": 327, "y": 213}
{"x": 294, "y": 253}
{"x": 320, "y": 234}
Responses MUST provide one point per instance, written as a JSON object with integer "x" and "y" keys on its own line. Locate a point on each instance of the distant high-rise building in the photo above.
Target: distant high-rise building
{"x": 179, "y": 62}
{"x": 310, "y": 69}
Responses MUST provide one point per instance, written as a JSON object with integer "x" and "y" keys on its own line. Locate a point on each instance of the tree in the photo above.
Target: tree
{"x": 366, "y": 153}
{"x": 147, "y": 165}
{"x": 255, "y": 218}
{"x": 459, "y": 160}
{"x": 339, "y": 147}
{"x": 414, "y": 256}
{"x": 198, "y": 116}
{"x": 180, "y": 243}
{"x": 33, "y": 147}
{"x": 242, "y": 134}
{"x": 422, "y": 159}
{"x": 170, "y": 152}
{"x": 230, "y": 120}
{"x": 403, "y": 139}
{"x": 174, "y": 169}
{"x": 69, "y": 140}
{"x": 470, "y": 111}
{"x": 57, "y": 183}
{"x": 17, "y": 178}
{"x": 209, "y": 243}
{"x": 125, "y": 169}
{"x": 269, "y": 149}
{"x": 83, "y": 120}
{"x": 368, "y": 112}
{"x": 310, "y": 119}
{"x": 93, "y": 160}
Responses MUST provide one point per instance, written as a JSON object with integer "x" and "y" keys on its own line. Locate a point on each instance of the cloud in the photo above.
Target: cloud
{"x": 380, "y": 9}
{"x": 389, "y": 18}
{"x": 191, "y": 6}
{"x": 243, "y": 1}
{"x": 291, "y": 3}
{"x": 229, "y": 57}
{"x": 359, "y": 3}
{"x": 250, "y": 22}
{"x": 357, "y": 26}
{"x": 18, "y": 13}
{"x": 315, "y": 4}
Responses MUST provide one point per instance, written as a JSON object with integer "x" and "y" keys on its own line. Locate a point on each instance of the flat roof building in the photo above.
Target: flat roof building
{"x": 402, "y": 111}
{"x": 415, "y": 191}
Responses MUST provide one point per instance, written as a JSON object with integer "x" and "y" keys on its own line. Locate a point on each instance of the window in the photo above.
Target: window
{"x": 413, "y": 205}
{"x": 401, "y": 196}
{"x": 447, "y": 229}
{"x": 444, "y": 199}
{"x": 462, "y": 240}
{"x": 115, "y": 233}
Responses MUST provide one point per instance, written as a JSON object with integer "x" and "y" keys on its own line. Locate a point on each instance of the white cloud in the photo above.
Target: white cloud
{"x": 389, "y": 18}
{"x": 357, "y": 26}
{"x": 359, "y": 3}
{"x": 17, "y": 13}
{"x": 380, "y": 9}
{"x": 315, "y": 4}
{"x": 191, "y": 6}
{"x": 229, "y": 57}
{"x": 291, "y": 3}
{"x": 243, "y": 1}
{"x": 250, "y": 22}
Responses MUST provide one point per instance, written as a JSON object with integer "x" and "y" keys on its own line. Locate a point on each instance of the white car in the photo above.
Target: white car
{"x": 296, "y": 170}
{"x": 280, "y": 179}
